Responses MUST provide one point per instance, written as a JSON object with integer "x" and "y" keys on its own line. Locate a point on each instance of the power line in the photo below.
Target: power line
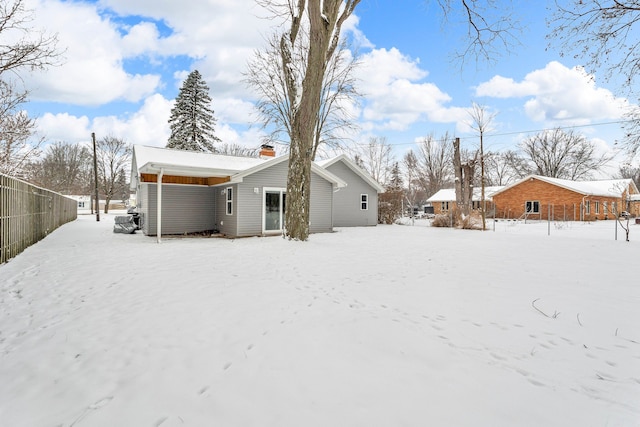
{"x": 492, "y": 135}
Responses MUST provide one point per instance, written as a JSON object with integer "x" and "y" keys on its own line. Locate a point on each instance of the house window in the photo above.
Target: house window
{"x": 364, "y": 202}
{"x": 604, "y": 207}
{"x": 81, "y": 205}
{"x": 444, "y": 207}
{"x": 614, "y": 207}
{"x": 596, "y": 207}
{"x": 532, "y": 207}
{"x": 587, "y": 207}
{"x": 229, "y": 200}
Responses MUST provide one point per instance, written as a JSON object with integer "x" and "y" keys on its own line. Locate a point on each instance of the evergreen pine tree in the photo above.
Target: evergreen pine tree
{"x": 396, "y": 179}
{"x": 192, "y": 122}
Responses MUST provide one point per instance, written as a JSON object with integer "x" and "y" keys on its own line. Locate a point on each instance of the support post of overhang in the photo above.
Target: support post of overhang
{"x": 159, "y": 207}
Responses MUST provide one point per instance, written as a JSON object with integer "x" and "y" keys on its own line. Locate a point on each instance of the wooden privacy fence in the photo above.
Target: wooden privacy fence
{"x": 28, "y": 214}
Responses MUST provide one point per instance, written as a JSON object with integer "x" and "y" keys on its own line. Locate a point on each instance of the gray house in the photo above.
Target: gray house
{"x": 180, "y": 192}
{"x": 357, "y": 203}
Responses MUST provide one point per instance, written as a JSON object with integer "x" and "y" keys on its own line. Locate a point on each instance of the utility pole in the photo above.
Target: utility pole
{"x": 95, "y": 174}
{"x": 482, "y": 199}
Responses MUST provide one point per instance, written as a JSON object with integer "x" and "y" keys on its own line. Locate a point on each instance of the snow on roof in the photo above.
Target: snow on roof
{"x": 180, "y": 162}
{"x": 607, "y": 187}
{"x": 449, "y": 194}
{"x": 150, "y": 159}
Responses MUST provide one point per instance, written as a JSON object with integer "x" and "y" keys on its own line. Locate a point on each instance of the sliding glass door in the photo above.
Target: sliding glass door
{"x": 274, "y": 208}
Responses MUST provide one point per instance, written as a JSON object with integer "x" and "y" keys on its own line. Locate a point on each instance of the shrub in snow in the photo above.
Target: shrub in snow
{"x": 442, "y": 221}
{"x": 472, "y": 222}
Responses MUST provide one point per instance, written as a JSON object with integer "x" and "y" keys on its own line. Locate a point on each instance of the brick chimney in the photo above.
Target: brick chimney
{"x": 267, "y": 151}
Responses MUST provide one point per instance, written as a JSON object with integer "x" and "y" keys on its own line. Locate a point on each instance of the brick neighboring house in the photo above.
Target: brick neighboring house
{"x": 540, "y": 197}
{"x": 444, "y": 201}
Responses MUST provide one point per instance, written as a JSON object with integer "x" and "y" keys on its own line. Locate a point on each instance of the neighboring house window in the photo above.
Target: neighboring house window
{"x": 532, "y": 207}
{"x": 229, "y": 200}
{"x": 604, "y": 207}
{"x": 614, "y": 207}
{"x": 364, "y": 202}
{"x": 81, "y": 204}
{"x": 587, "y": 207}
{"x": 444, "y": 206}
{"x": 596, "y": 207}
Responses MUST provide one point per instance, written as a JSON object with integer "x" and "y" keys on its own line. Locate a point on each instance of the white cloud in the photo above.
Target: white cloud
{"x": 395, "y": 96}
{"x": 558, "y": 93}
{"x": 350, "y": 26}
{"x": 63, "y": 127}
{"x": 233, "y": 110}
{"x": 250, "y": 137}
{"x": 142, "y": 38}
{"x": 220, "y": 34}
{"x": 148, "y": 126}
{"x": 92, "y": 73}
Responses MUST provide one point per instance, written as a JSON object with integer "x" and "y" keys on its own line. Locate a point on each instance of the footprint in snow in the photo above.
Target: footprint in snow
{"x": 100, "y": 403}
{"x": 535, "y": 382}
{"x": 93, "y": 407}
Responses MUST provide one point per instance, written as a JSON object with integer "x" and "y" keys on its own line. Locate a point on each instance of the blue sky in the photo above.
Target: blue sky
{"x": 126, "y": 59}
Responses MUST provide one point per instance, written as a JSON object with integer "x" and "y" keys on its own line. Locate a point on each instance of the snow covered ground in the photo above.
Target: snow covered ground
{"x": 385, "y": 326}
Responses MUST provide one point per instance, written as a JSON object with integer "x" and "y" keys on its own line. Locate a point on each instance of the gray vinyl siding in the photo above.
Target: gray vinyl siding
{"x": 248, "y": 204}
{"x": 346, "y": 201}
{"x": 320, "y": 211}
{"x": 226, "y": 224}
{"x": 250, "y": 216}
{"x": 185, "y": 208}
{"x": 142, "y": 198}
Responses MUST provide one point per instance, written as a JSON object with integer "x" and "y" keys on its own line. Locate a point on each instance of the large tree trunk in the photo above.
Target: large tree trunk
{"x": 457, "y": 168}
{"x": 305, "y": 117}
{"x": 464, "y": 180}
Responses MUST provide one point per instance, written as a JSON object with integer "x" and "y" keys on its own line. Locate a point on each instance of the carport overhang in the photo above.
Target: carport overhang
{"x": 164, "y": 169}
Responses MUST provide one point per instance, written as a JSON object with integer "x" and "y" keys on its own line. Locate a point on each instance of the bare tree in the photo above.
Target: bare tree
{"x": 412, "y": 174}
{"x": 492, "y": 30}
{"x": 114, "y": 157}
{"x": 236, "y": 150}
{"x": 518, "y": 164}
{"x": 631, "y": 140}
{"x": 65, "y": 168}
{"x": 502, "y": 168}
{"x": 604, "y": 35}
{"x": 17, "y": 149}
{"x": 324, "y": 20}
{"x": 435, "y": 157}
{"x": 464, "y": 172}
{"x": 391, "y": 201}
{"x": 559, "y": 154}
{"x": 22, "y": 48}
{"x": 481, "y": 120}
{"x": 335, "y": 118}
{"x": 630, "y": 172}
{"x": 376, "y": 158}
